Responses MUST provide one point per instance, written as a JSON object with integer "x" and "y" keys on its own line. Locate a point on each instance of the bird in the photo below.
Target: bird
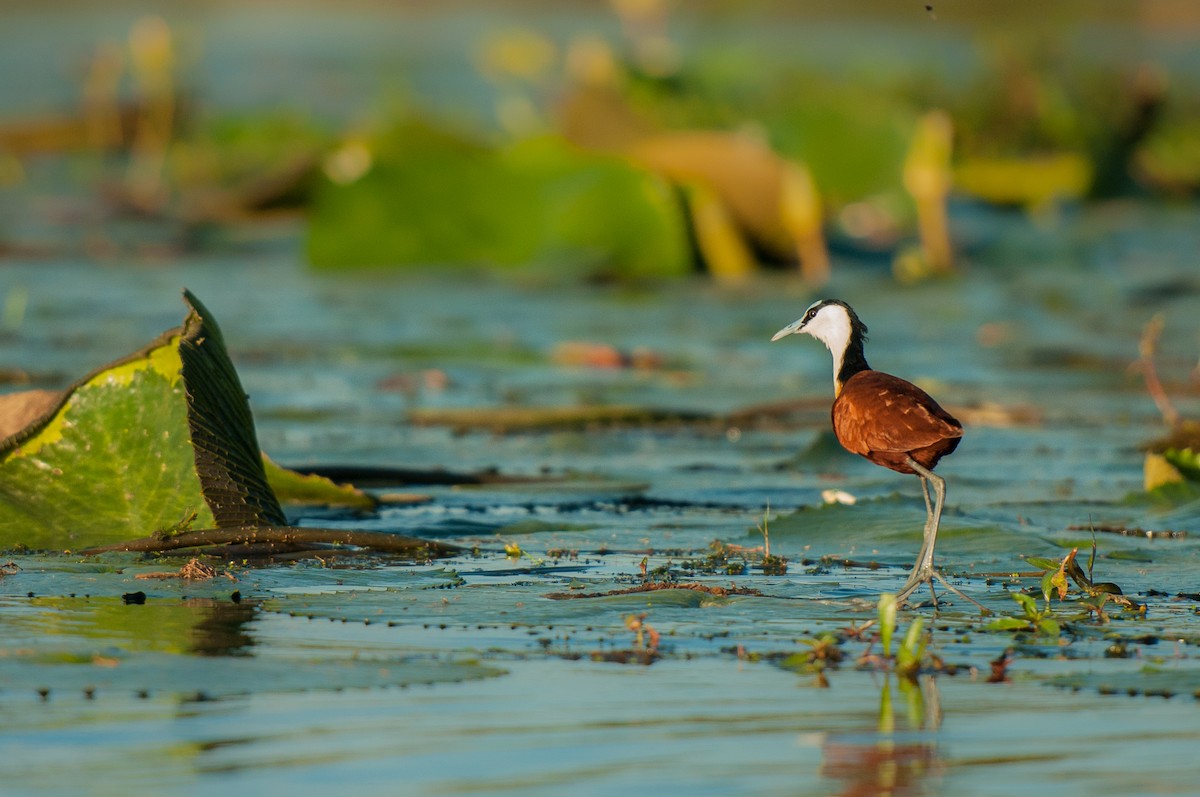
{"x": 886, "y": 419}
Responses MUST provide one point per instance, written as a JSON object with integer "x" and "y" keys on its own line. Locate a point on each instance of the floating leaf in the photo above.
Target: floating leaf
{"x": 300, "y": 488}
{"x": 1007, "y": 624}
{"x": 1178, "y": 680}
{"x": 216, "y": 677}
{"x": 159, "y": 441}
{"x": 535, "y": 526}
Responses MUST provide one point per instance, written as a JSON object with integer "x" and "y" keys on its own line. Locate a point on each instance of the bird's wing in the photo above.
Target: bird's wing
{"x": 879, "y": 412}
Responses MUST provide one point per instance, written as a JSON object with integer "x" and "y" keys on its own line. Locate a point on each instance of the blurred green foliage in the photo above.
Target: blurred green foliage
{"x": 229, "y": 149}
{"x": 432, "y": 196}
{"x": 853, "y": 138}
{"x": 552, "y": 172}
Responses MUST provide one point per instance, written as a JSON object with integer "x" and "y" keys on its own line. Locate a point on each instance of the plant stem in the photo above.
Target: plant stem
{"x": 374, "y": 540}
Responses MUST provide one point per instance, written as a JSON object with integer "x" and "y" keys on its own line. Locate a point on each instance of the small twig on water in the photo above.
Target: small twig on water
{"x": 765, "y": 530}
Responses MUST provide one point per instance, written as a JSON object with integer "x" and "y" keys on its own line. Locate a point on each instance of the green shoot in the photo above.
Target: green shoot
{"x": 908, "y": 656}
{"x": 887, "y": 622}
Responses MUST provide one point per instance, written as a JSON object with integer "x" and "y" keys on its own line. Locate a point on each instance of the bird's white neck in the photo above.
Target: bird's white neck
{"x": 834, "y": 324}
{"x": 832, "y": 327}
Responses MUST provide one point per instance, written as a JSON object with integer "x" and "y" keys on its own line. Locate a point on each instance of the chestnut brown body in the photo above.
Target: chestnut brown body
{"x": 888, "y": 419}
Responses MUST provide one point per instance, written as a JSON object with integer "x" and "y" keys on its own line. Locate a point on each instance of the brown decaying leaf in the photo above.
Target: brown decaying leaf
{"x": 18, "y": 410}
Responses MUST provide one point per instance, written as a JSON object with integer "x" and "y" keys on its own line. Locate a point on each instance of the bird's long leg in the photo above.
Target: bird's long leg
{"x": 935, "y": 519}
{"x": 928, "y": 525}
{"x": 923, "y": 572}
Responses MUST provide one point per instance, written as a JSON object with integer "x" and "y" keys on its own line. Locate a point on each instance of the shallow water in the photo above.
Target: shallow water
{"x": 368, "y": 675}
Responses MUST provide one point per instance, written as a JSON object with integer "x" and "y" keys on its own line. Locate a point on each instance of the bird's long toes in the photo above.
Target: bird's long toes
{"x": 914, "y": 583}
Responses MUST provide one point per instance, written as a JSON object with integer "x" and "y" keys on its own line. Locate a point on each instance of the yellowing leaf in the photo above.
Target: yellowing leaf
{"x": 1030, "y": 181}
{"x": 722, "y": 246}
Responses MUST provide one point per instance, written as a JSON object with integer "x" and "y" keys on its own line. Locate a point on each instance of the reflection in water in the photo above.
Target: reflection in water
{"x": 879, "y": 767}
{"x": 881, "y": 764}
{"x": 199, "y": 626}
{"x": 221, "y": 628}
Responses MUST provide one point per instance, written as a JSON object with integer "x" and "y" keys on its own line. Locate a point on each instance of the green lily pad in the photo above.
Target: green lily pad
{"x": 160, "y": 441}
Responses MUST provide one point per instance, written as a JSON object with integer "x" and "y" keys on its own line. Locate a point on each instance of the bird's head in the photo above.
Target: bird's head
{"x": 830, "y": 321}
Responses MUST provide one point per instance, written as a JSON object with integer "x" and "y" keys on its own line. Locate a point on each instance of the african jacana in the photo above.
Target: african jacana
{"x": 884, "y": 418}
